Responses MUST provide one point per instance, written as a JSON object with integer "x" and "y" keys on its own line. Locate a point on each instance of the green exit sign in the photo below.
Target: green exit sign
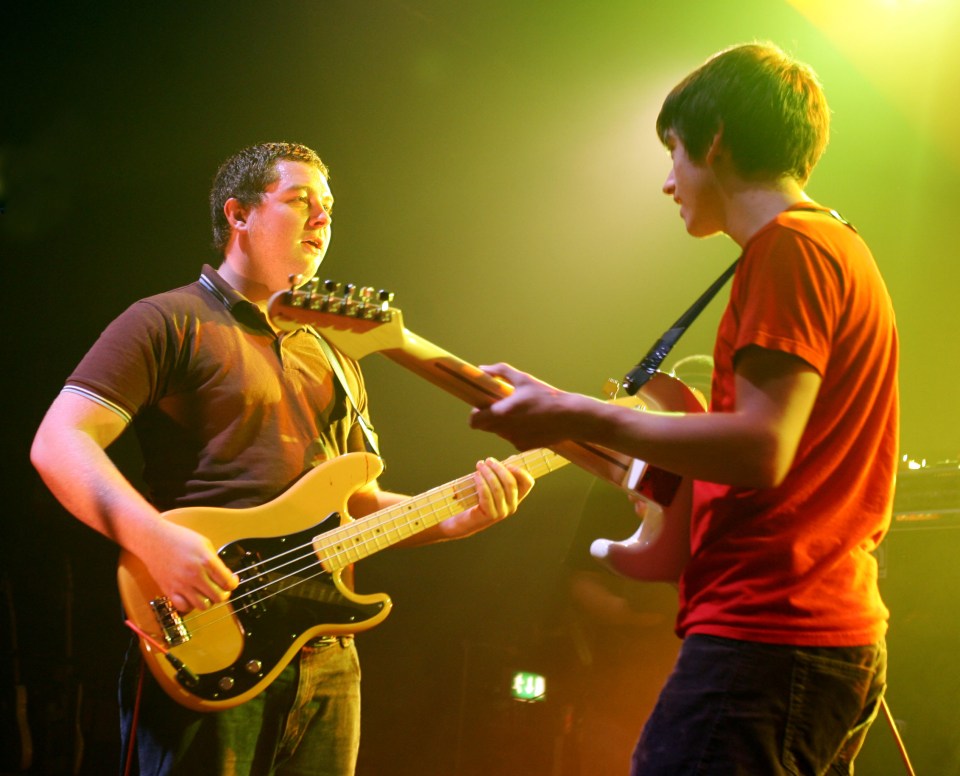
{"x": 528, "y": 687}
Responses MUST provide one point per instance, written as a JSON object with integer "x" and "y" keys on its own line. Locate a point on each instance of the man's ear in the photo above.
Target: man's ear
{"x": 236, "y": 213}
{"x": 716, "y": 146}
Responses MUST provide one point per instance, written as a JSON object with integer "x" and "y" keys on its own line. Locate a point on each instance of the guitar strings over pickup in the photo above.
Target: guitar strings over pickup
{"x": 366, "y": 303}
{"x": 251, "y": 590}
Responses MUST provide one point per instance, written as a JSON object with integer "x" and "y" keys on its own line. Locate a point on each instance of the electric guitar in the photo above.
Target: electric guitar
{"x": 290, "y": 565}
{"x": 364, "y": 323}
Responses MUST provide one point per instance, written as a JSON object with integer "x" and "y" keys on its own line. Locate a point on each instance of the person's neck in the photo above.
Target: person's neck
{"x": 239, "y": 274}
{"x": 751, "y": 206}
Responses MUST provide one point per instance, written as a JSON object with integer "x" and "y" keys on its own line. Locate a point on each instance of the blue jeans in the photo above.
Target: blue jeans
{"x": 736, "y": 707}
{"x": 305, "y": 723}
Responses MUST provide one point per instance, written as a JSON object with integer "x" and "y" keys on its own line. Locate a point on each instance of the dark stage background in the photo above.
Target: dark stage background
{"x": 495, "y": 165}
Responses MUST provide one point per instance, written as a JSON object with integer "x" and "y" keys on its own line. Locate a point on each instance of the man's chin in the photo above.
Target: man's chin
{"x": 702, "y": 232}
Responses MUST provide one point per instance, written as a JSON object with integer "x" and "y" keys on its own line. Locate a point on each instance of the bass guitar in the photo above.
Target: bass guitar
{"x": 360, "y": 322}
{"x": 290, "y": 566}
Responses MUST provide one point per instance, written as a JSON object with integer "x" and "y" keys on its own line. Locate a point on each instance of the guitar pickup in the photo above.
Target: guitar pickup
{"x": 255, "y": 581}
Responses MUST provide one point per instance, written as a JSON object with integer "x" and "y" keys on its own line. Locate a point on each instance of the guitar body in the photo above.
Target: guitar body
{"x": 286, "y": 597}
{"x": 290, "y": 565}
{"x": 660, "y": 547}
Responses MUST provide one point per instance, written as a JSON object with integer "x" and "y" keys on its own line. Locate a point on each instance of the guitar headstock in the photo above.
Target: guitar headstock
{"x": 357, "y": 321}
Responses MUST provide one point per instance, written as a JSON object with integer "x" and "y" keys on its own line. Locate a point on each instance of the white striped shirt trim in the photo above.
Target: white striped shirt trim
{"x": 87, "y": 394}
{"x": 208, "y": 284}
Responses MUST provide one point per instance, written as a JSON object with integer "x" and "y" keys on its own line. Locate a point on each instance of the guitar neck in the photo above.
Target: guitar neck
{"x": 477, "y": 388}
{"x": 358, "y": 328}
{"x": 361, "y": 538}
{"x": 446, "y": 371}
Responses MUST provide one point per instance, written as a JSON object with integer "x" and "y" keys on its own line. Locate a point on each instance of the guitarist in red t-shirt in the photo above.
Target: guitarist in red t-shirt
{"x": 783, "y": 662}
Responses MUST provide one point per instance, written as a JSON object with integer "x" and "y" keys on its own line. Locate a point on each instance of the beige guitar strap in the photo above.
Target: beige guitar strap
{"x": 334, "y": 360}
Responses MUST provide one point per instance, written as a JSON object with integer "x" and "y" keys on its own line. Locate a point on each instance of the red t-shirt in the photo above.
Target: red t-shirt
{"x": 793, "y": 564}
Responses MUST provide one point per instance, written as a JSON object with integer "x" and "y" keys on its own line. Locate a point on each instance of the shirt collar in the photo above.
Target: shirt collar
{"x": 228, "y": 296}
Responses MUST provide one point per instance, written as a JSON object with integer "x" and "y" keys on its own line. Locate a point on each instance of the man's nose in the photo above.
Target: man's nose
{"x": 669, "y": 185}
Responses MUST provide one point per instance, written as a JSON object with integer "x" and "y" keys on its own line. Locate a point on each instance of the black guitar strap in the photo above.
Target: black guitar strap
{"x": 648, "y": 365}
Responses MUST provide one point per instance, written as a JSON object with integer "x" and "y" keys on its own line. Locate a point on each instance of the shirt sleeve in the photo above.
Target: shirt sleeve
{"x": 789, "y": 295}
{"x": 125, "y": 366}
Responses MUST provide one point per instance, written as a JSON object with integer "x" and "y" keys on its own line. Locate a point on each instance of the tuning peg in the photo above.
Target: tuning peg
{"x": 384, "y": 313}
{"x": 332, "y": 286}
{"x": 295, "y": 281}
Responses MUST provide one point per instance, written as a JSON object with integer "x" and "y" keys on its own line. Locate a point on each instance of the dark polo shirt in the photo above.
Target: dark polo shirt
{"x": 227, "y": 412}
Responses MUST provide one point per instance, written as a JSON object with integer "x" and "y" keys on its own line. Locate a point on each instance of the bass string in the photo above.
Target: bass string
{"x": 199, "y": 620}
{"x": 461, "y": 491}
{"x": 302, "y": 565}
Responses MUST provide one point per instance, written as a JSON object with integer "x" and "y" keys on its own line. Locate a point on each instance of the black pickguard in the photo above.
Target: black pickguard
{"x": 276, "y": 604}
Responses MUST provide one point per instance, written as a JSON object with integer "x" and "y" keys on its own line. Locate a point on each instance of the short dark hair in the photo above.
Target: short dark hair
{"x": 770, "y": 109}
{"x": 246, "y": 175}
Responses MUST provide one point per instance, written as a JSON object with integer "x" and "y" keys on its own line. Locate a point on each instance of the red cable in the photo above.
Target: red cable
{"x": 134, "y": 722}
{"x": 896, "y": 736}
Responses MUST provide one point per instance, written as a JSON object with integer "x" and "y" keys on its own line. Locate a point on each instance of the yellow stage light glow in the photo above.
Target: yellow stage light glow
{"x": 907, "y": 49}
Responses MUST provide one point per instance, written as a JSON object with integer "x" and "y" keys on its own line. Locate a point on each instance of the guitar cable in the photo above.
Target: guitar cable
{"x": 134, "y": 723}
{"x": 901, "y": 747}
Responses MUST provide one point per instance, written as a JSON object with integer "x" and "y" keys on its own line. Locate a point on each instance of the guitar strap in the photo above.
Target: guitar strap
{"x": 648, "y": 365}
{"x": 338, "y": 371}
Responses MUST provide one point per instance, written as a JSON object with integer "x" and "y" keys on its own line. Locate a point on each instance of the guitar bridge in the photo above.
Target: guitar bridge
{"x": 175, "y": 632}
